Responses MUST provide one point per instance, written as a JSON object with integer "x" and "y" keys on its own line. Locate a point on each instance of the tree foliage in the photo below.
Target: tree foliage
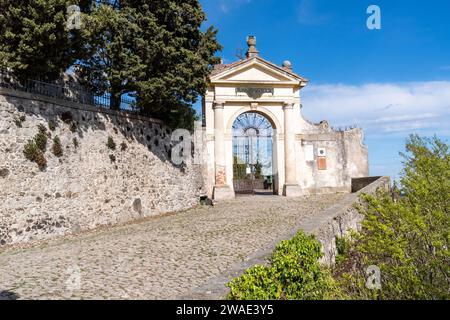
{"x": 407, "y": 238}
{"x": 112, "y": 65}
{"x": 34, "y": 38}
{"x": 154, "y": 50}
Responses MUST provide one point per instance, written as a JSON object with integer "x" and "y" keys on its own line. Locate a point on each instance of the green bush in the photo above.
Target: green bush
{"x": 33, "y": 153}
{"x": 52, "y": 125}
{"x": 57, "y": 147}
{"x": 111, "y": 144}
{"x": 408, "y": 237}
{"x": 42, "y": 128}
{"x": 73, "y": 127}
{"x": 294, "y": 274}
{"x": 41, "y": 141}
{"x": 342, "y": 247}
{"x": 41, "y": 138}
{"x": 19, "y": 121}
{"x": 41, "y": 161}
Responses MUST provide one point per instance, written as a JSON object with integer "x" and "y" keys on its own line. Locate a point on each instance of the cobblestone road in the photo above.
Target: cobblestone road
{"x": 159, "y": 258}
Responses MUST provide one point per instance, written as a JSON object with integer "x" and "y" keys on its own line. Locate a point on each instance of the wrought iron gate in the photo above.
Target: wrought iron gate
{"x": 252, "y": 153}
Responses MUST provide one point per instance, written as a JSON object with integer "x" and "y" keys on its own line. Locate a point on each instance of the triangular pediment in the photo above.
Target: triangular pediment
{"x": 255, "y": 70}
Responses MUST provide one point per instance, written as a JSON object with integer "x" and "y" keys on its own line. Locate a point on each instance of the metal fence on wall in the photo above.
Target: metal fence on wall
{"x": 64, "y": 91}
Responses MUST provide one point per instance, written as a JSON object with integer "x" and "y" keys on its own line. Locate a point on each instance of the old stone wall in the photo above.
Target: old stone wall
{"x": 344, "y": 157}
{"x": 91, "y": 184}
{"x": 359, "y": 183}
{"x": 340, "y": 219}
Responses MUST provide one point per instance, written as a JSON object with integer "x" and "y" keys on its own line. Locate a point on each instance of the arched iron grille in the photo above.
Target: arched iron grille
{"x": 252, "y": 146}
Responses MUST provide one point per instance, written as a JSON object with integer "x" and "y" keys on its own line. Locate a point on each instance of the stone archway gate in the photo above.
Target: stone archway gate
{"x": 252, "y": 84}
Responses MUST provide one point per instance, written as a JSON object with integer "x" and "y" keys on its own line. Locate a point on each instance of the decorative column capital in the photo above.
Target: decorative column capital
{"x": 218, "y": 104}
{"x": 288, "y": 105}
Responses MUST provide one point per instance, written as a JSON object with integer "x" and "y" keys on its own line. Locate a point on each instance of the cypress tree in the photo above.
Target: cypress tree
{"x": 34, "y": 38}
{"x": 155, "y": 50}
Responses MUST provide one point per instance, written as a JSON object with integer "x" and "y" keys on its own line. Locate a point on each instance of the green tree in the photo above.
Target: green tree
{"x": 34, "y": 38}
{"x": 113, "y": 64}
{"x": 178, "y": 56}
{"x": 155, "y": 50}
{"x": 407, "y": 238}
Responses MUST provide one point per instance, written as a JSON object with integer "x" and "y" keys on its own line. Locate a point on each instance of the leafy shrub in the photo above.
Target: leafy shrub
{"x": 33, "y": 153}
{"x": 407, "y": 238}
{"x": 73, "y": 127}
{"x": 41, "y": 161}
{"x": 30, "y": 150}
{"x": 18, "y": 123}
{"x": 111, "y": 144}
{"x": 42, "y": 129}
{"x": 52, "y": 125}
{"x": 57, "y": 147}
{"x": 294, "y": 274}
{"x": 41, "y": 140}
{"x": 342, "y": 247}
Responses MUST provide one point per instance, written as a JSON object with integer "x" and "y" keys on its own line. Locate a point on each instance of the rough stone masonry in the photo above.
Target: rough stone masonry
{"x": 91, "y": 184}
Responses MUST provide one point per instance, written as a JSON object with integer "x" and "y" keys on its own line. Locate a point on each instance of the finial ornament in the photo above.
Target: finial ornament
{"x": 287, "y": 65}
{"x": 252, "y": 51}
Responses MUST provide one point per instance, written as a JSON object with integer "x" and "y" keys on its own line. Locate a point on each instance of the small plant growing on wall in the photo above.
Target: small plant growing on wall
{"x": 57, "y": 147}
{"x": 111, "y": 144}
{"x": 112, "y": 158}
{"x": 52, "y": 125}
{"x": 123, "y": 146}
{"x": 75, "y": 143}
{"x": 41, "y": 138}
{"x": 33, "y": 153}
{"x": 18, "y": 121}
{"x": 73, "y": 127}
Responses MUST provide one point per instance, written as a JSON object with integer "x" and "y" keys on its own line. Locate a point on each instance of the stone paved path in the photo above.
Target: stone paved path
{"x": 160, "y": 258}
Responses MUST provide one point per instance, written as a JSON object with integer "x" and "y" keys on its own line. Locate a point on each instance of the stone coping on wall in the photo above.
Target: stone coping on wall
{"x": 326, "y": 226}
{"x": 74, "y": 105}
{"x": 339, "y": 219}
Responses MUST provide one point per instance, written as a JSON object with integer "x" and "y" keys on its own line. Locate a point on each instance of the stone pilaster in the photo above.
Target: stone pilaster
{"x": 291, "y": 187}
{"x": 221, "y": 189}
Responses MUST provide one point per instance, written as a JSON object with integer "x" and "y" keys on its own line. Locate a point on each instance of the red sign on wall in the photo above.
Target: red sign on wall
{"x": 322, "y": 163}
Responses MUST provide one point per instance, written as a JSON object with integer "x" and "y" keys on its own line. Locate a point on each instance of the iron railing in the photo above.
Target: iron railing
{"x": 64, "y": 91}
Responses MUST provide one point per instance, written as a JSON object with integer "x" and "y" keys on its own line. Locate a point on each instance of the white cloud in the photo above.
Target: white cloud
{"x": 382, "y": 108}
{"x": 226, "y": 6}
{"x": 309, "y": 14}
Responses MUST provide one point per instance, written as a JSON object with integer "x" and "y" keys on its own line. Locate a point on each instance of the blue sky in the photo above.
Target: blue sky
{"x": 392, "y": 82}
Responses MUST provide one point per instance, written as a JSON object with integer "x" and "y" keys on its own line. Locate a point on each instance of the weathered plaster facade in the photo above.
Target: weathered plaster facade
{"x": 254, "y": 84}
